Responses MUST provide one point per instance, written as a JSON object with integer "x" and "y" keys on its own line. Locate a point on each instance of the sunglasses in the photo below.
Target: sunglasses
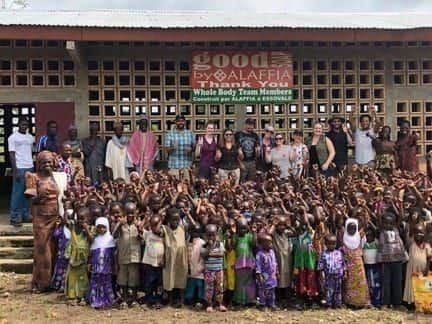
{"x": 279, "y": 138}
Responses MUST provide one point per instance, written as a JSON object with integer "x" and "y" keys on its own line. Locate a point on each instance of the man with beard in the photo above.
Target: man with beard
{"x": 143, "y": 147}
{"x": 406, "y": 148}
{"x": 116, "y": 159}
{"x": 180, "y": 144}
{"x": 340, "y": 139}
{"x": 249, "y": 143}
{"x": 369, "y": 126}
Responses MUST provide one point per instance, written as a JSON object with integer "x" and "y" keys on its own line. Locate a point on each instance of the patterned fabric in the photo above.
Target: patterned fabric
{"x": 100, "y": 293}
{"x": 301, "y": 152}
{"x": 332, "y": 264}
{"x": 58, "y": 279}
{"x": 213, "y": 286}
{"x": 44, "y": 223}
{"x": 305, "y": 265}
{"x": 180, "y": 157}
{"x": 333, "y": 291}
{"x": 356, "y": 288}
{"x": 267, "y": 296}
{"x": 266, "y": 265}
{"x": 385, "y": 161}
{"x": 243, "y": 251}
{"x": 245, "y": 288}
{"x": 66, "y": 167}
{"x": 391, "y": 247}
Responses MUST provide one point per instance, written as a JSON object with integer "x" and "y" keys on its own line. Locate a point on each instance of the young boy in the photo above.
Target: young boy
{"x": 129, "y": 254}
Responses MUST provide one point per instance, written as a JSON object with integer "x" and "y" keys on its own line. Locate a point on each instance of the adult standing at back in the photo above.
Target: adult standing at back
{"x": 340, "y": 139}
{"x": 49, "y": 141}
{"x": 20, "y": 145}
{"x": 249, "y": 142}
{"x": 321, "y": 151}
{"x": 116, "y": 160}
{"x": 364, "y": 150}
{"x": 180, "y": 143}
{"x": 406, "y": 148}
{"x": 143, "y": 147}
{"x": 206, "y": 150}
{"x": 94, "y": 152}
{"x": 77, "y": 157}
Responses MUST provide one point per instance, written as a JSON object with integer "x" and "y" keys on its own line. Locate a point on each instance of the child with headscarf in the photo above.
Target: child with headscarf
{"x": 356, "y": 287}
{"x": 101, "y": 293}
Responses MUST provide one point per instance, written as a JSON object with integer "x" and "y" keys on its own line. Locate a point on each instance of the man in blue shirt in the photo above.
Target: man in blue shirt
{"x": 49, "y": 141}
{"x": 180, "y": 144}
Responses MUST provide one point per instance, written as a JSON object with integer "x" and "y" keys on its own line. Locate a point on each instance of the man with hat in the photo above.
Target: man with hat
{"x": 340, "y": 139}
{"x": 180, "y": 144}
{"x": 249, "y": 142}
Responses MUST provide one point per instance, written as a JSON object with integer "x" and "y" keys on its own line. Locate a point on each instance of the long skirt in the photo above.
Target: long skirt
{"x": 306, "y": 282}
{"x": 59, "y": 276}
{"x": 356, "y": 287}
{"x": 76, "y": 282}
{"x": 100, "y": 293}
{"x": 245, "y": 288}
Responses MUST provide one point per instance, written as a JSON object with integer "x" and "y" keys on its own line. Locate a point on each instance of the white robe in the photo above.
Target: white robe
{"x": 116, "y": 160}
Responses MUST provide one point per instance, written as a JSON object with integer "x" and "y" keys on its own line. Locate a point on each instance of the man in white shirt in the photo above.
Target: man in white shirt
{"x": 369, "y": 126}
{"x": 20, "y": 146}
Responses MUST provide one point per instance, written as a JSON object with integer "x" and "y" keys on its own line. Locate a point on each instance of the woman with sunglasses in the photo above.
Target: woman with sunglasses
{"x": 321, "y": 151}
{"x": 280, "y": 156}
{"x": 228, "y": 156}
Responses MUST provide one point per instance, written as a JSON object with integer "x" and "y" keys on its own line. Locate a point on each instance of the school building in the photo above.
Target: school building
{"x": 77, "y": 67}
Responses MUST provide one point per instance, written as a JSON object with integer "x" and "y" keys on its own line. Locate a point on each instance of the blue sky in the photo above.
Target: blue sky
{"x": 230, "y": 5}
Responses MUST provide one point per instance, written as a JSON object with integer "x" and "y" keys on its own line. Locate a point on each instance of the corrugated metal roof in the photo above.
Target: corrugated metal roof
{"x": 213, "y": 19}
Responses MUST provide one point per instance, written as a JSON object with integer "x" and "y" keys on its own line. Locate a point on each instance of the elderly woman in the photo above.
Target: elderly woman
{"x": 321, "y": 151}
{"x": 45, "y": 187}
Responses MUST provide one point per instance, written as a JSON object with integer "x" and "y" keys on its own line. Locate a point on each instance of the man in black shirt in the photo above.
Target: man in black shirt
{"x": 340, "y": 139}
{"x": 249, "y": 143}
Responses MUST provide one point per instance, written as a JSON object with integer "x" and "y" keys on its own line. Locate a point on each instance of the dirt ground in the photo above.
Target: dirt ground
{"x": 19, "y": 305}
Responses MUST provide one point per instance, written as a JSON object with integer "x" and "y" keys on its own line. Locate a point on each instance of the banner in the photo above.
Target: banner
{"x": 241, "y": 76}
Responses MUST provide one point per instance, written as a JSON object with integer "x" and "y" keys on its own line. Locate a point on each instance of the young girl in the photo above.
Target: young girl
{"x": 176, "y": 262}
{"x": 372, "y": 267}
{"x": 213, "y": 253}
{"x": 356, "y": 288}
{"x": 282, "y": 245}
{"x": 419, "y": 261}
{"x": 392, "y": 253}
{"x": 267, "y": 272}
{"x": 62, "y": 235}
{"x": 331, "y": 263}
{"x": 78, "y": 251}
{"x": 243, "y": 243}
{"x": 100, "y": 293}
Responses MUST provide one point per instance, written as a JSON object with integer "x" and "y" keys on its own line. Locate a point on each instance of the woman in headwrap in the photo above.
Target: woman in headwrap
{"x": 45, "y": 187}
{"x": 77, "y": 157}
{"x": 356, "y": 288}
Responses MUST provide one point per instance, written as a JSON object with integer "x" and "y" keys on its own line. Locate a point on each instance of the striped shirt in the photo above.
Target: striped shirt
{"x": 215, "y": 263}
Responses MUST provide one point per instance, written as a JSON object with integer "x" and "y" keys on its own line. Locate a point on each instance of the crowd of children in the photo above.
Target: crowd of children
{"x": 353, "y": 240}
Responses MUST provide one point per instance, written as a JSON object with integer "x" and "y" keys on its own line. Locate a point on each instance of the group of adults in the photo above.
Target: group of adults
{"x": 239, "y": 153}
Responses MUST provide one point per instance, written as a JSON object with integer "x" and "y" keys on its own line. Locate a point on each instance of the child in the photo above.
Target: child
{"x": 243, "y": 243}
{"x": 229, "y": 263}
{"x": 267, "y": 272}
{"x": 213, "y": 253}
{"x": 78, "y": 251}
{"x": 62, "y": 234}
{"x": 129, "y": 254}
{"x": 100, "y": 293}
{"x": 176, "y": 262}
{"x": 195, "y": 282}
{"x": 153, "y": 260}
{"x": 392, "y": 253}
{"x": 356, "y": 288}
{"x": 372, "y": 267}
{"x": 419, "y": 261}
{"x": 331, "y": 265}
{"x": 282, "y": 246}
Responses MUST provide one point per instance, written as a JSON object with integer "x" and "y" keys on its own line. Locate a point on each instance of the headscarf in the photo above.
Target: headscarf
{"x": 106, "y": 240}
{"x": 351, "y": 241}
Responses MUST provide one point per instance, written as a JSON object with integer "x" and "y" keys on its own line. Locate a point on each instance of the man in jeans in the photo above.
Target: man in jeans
{"x": 20, "y": 146}
{"x": 249, "y": 142}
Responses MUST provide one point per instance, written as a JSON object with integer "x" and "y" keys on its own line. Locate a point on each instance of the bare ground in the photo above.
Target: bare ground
{"x": 19, "y": 305}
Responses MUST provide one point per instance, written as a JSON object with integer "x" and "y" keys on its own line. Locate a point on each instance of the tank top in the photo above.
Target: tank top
{"x": 208, "y": 152}
{"x": 229, "y": 159}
